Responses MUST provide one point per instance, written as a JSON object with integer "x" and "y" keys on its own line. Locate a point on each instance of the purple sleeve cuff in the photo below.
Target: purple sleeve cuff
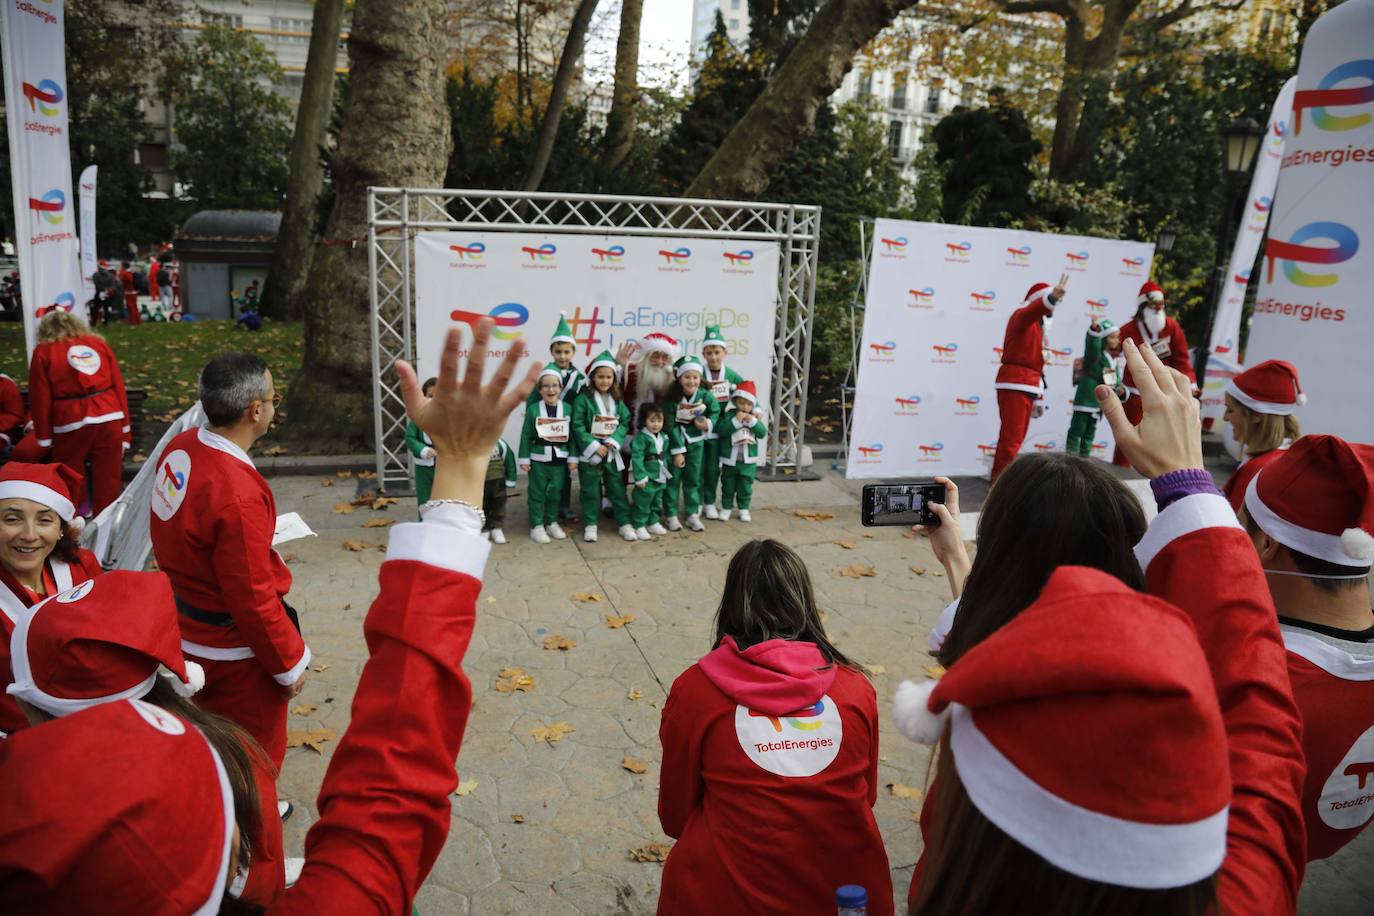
{"x": 1171, "y": 487}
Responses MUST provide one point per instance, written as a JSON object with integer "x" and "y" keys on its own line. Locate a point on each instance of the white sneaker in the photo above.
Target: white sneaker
{"x": 674, "y": 524}
{"x": 486, "y": 535}
{"x": 293, "y": 866}
{"x": 655, "y": 528}
{"x": 285, "y": 809}
{"x": 498, "y": 536}
{"x": 556, "y": 531}
{"x": 744, "y": 516}
{"x": 694, "y": 522}
{"x": 642, "y": 534}
{"x": 589, "y": 534}
{"x": 725, "y": 515}
{"x": 539, "y": 535}
{"x": 712, "y": 512}
{"x": 628, "y": 532}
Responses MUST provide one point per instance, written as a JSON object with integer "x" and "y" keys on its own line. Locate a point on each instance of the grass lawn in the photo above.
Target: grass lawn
{"x": 165, "y": 359}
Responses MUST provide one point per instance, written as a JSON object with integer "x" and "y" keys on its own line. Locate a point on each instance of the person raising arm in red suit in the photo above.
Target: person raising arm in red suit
{"x": 1021, "y": 378}
{"x": 1162, "y": 333}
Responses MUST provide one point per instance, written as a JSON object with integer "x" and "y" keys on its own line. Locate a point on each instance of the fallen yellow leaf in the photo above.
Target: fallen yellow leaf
{"x": 322, "y": 666}
{"x": 355, "y": 546}
{"x": 615, "y": 623}
{"x": 383, "y": 502}
{"x": 654, "y": 852}
{"x": 304, "y": 709}
{"x": 275, "y": 450}
{"x": 919, "y": 570}
{"x": 379, "y": 522}
{"x": 517, "y": 818}
{"x": 858, "y": 571}
{"x": 343, "y": 508}
{"x": 876, "y": 670}
{"x": 312, "y": 739}
{"x": 634, "y": 694}
{"x": 343, "y": 475}
{"x": 847, "y": 545}
{"x": 901, "y": 791}
{"x": 510, "y": 680}
{"x": 466, "y": 788}
{"x": 935, "y": 671}
{"x": 562, "y": 643}
{"x": 552, "y": 734}
{"x": 812, "y": 515}
{"x": 638, "y": 767}
{"x": 585, "y": 597}
{"x": 327, "y": 482}
{"x": 367, "y": 475}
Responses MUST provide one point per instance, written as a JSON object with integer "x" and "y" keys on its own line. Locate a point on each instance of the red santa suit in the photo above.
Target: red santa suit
{"x": 1169, "y": 345}
{"x": 212, "y": 523}
{"x": 1239, "y": 482}
{"x": 384, "y": 808}
{"x": 770, "y": 773}
{"x": 1021, "y": 378}
{"x": 1270, "y": 388}
{"x": 79, "y": 408}
{"x": 13, "y": 416}
{"x": 130, "y": 290}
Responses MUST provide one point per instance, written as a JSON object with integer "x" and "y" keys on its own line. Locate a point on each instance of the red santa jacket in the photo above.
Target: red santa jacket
{"x": 772, "y": 811}
{"x": 13, "y": 416}
{"x": 212, "y": 522}
{"x": 1023, "y": 353}
{"x": 73, "y": 383}
{"x": 1333, "y": 682}
{"x": 59, "y": 576}
{"x": 1169, "y": 345}
{"x": 1239, "y": 482}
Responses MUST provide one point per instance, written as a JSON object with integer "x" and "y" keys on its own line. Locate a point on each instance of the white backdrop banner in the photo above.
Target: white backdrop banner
{"x": 86, "y": 196}
{"x": 611, "y": 288}
{"x": 1314, "y": 307}
{"x": 939, "y": 297}
{"x": 40, "y": 162}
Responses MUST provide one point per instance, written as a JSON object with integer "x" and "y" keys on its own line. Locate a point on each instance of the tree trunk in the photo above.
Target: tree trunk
{"x": 396, "y": 133}
{"x": 620, "y": 123}
{"x": 558, "y": 94}
{"x": 1089, "y": 71}
{"x": 784, "y": 114}
{"x": 284, "y": 291}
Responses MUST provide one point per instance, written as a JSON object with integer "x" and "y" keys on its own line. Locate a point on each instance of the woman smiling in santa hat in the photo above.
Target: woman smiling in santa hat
{"x": 1260, "y": 403}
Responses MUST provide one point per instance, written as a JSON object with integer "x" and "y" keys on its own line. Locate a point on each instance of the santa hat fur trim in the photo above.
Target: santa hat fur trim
{"x": 1270, "y": 387}
{"x": 1035, "y": 292}
{"x": 659, "y": 343}
{"x": 1318, "y": 498}
{"x": 747, "y": 391}
{"x": 53, "y": 485}
{"x": 1150, "y": 291}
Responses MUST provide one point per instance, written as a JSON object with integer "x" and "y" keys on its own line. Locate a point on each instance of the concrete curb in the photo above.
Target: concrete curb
{"x": 297, "y": 465}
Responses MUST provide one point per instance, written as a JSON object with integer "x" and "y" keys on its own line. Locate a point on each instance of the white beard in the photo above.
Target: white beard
{"x": 652, "y": 382}
{"x": 1154, "y": 320}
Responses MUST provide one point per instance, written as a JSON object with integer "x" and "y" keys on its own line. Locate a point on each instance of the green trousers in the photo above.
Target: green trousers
{"x": 710, "y": 471}
{"x": 736, "y": 487}
{"x": 1082, "y": 428}
{"x": 424, "y": 484}
{"x": 565, "y": 496}
{"x": 648, "y": 503}
{"x": 685, "y": 480}
{"x": 546, "y": 488}
{"x": 589, "y": 478}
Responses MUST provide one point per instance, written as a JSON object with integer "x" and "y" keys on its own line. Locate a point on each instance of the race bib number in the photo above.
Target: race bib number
{"x": 743, "y": 437}
{"x": 1109, "y": 377}
{"x": 686, "y": 413}
{"x": 798, "y": 744}
{"x": 169, "y": 486}
{"x": 1161, "y": 348}
{"x": 721, "y": 390}
{"x": 83, "y": 359}
{"x": 604, "y": 427}
{"x": 553, "y": 429}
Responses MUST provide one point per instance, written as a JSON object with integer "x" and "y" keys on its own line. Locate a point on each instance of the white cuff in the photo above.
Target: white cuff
{"x": 510, "y": 485}
{"x": 1189, "y": 514}
{"x": 450, "y": 537}
{"x": 678, "y": 451}
{"x": 287, "y": 678}
{"x": 46, "y": 443}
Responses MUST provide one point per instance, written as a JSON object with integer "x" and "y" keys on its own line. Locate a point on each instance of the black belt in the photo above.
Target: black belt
{"x": 78, "y": 397}
{"x": 222, "y": 619}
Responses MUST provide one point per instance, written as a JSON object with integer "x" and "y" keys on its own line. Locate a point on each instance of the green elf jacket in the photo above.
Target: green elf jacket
{"x": 534, "y": 447}
{"x": 743, "y": 456}
{"x": 1098, "y": 366}
{"x": 588, "y": 406}
{"x": 648, "y": 457}
{"x": 573, "y": 383}
{"x": 681, "y": 435}
{"x": 720, "y": 385}
{"x": 417, "y": 440}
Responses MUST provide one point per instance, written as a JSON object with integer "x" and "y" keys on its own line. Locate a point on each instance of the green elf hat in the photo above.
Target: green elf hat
{"x": 604, "y": 360}
{"x": 1105, "y": 327}
{"x": 688, "y": 364}
{"x": 564, "y": 333}
{"x": 713, "y": 338}
{"x": 551, "y": 369}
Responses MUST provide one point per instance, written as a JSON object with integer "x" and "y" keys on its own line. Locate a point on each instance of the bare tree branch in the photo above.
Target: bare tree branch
{"x": 1184, "y": 10}
{"x": 1018, "y": 7}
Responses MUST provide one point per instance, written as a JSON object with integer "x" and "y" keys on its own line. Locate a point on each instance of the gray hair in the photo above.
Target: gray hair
{"x": 229, "y": 384}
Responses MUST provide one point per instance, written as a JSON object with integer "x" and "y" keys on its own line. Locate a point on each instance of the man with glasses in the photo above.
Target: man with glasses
{"x": 213, "y": 519}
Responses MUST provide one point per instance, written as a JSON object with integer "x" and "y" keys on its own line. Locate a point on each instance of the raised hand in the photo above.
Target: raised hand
{"x": 946, "y": 540}
{"x": 1169, "y": 437}
{"x": 1060, "y": 287}
{"x": 625, "y": 353}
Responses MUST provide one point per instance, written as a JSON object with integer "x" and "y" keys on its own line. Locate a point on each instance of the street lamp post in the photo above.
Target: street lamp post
{"x": 1242, "y": 139}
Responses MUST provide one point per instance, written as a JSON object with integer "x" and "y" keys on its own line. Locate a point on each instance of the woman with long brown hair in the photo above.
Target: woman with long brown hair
{"x": 1260, "y": 403}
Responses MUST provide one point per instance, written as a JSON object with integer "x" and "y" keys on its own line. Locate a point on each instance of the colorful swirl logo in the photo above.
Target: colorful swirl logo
{"x": 612, "y": 254}
{"x": 934, "y": 448}
{"x": 1133, "y": 263}
{"x": 506, "y": 315}
{"x": 1327, "y": 96}
{"x": 922, "y": 295}
{"x": 868, "y": 451}
{"x": 1077, "y": 258}
{"x": 471, "y": 252}
{"x": 1295, "y": 251}
{"x": 897, "y": 244}
{"x": 47, "y": 93}
{"x": 1242, "y": 278}
{"x": 49, "y": 206}
{"x": 544, "y": 252}
{"x": 881, "y": 349}
{"x": 948, "y": 349}
{"x": 983, "y": 298}
{"x": 1098, "y": 305}
{"x": 909, "y": 402}
{"x": 172, "y": 481}
{"x": 677, "y": 256}
{"x": 959, "y": 249}
{"x": 739, "y": 257}
{"x": 968, "y": 403}
{"x": 1021, "y": 253}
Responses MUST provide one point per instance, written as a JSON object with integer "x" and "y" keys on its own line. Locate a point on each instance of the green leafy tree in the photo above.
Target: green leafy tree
{"x": 988, "y": 153}
{"x": 233, "y": 131}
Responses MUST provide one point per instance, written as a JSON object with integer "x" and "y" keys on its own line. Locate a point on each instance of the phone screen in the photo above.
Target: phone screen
{"x": 901, "y": 504}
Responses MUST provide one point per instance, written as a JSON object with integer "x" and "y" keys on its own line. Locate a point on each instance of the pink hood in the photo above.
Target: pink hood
{"x": 774, "y": 677}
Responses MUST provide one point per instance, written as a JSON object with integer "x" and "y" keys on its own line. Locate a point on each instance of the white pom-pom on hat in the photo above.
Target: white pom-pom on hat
{"x": 1302, "y": 399}
{"x": 1358, "y": 543}
{"x": 912, "y": 715}
{"x": 77, "y": 524}
{"x": 195, "y": 680}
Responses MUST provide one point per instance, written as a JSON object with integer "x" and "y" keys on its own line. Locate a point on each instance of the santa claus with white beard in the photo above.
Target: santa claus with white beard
{"x": 1153, "y": 328}
{"x": 648, "y": 369}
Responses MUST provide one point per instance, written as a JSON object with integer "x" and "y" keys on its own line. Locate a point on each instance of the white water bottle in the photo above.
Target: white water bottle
{"x": 851, "y": 900}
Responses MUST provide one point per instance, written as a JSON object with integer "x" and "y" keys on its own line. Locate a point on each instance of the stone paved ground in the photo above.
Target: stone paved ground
{"x": 580, "y": 812}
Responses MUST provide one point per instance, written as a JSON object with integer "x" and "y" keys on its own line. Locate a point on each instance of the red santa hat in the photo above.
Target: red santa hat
{"x": 1035, "y": 292}
{"x": 1318, "y": 498}
{"x": 747, "y": 391}
{"x": 1088, "y": 730}
{"x": 1150, "y": 291}
{"x": 659, "y": 343}
{"x": 123, "y": 808}
{"x": 53, "y": 485}
{"x": 99, "y": 642}
{"x": 1269, "y": 387}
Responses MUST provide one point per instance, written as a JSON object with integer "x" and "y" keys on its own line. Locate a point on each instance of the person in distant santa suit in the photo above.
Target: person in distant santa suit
{"x": 39, "y": 552}
{"x": 213, "y": 519}
{"x": 1021, "y": 378}
{"x": 1260, "y": 403}
{"x": 648, "y": 379}
{"x": 78, "y": 404}
{"x": 13, "y": 415}
{"x": 1310, "y": 513}
{"x": 1162, "y": 333}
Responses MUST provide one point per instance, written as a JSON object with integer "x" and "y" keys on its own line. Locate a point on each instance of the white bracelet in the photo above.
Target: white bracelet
{"x": 434, "y": 503}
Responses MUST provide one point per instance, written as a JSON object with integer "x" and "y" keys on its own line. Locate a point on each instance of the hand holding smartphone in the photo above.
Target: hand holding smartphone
{"x": 900, "y": 504}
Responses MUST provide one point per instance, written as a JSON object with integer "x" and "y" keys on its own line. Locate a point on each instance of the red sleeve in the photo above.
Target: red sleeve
{"x": 117, "y": 383}
{"x": 871, "y": 708}
{"x": 384, "y": 807}
{"x": 40, "y": 396}
{"x": 680, "y": 732}
{"x": 1197, "y": 557}
{"x": 1178, "y": 352}
{"x": 12, "y": 412}
{"x": 247, "y": 578}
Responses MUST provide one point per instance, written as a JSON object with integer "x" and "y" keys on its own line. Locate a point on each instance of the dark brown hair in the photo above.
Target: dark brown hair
{"x": 1045, "y": 511}
{"x": 675, "y": 393}
{"x": 589, "y": 388}
{"x": 768, "y": 595}
{"x": 972, "y": 866}
{"x": 429, "y": 383}
{"x": 68, "y": 546}
{"x": 647, "y": 410}
{"x": 1311, "y": 566}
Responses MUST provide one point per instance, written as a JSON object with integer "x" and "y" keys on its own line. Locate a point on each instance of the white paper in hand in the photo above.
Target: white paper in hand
{"x": 290, "y": 527}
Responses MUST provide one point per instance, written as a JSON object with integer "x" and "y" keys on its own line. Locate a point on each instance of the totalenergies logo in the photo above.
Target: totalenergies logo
{"x": 1294, "y": 252}
{"x": 1242, "y": 278}
{"x": 945, "y": 351}
{"x": 677, "y": 256}
{"x": 49, "y": 206}
{"x": 1278, "y": 135}
{"x": 1326, "y": 95}
{"x": 958, "y": 249}
{"x": 172, "y": 481}
{"x": 870, "y": 451}
{"x": 736, "y": 258}
{"x": 967, "y": 405}
{"x": 507, "y": 315}
{"x": 983, "y": 301}
{"x": 1077, "y": 258}
{"x": 897, "y": 244}
{"x": 44, "y": 97}
{"x": 910, "y": 402}
{"x": 1226, "y": 347}
{"x": 1098, "y": 305}
{"x": 1100, "y": 447}
{"x": 931, "y": 450}
{"x": 1060, "y": 357}
{"x": 806, "y": 719}
{"x": 62, "y": 302}
{"x": 612, "y": 254}
{"x": 471, "y": 252}
{"x": 1263, "y": 204}
{"x": 922, "y": 296}
{"x": 1020, "y": 254}
{"x": 1133, "y": 265}
{"x": 883, "y": 350}
{"x": 540, "y": 254}
{"x": 1046, "y": 446}
{"x": 987, "y": 451}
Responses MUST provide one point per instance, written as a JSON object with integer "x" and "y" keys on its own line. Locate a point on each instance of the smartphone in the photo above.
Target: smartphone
{"x": 901, "y": 503}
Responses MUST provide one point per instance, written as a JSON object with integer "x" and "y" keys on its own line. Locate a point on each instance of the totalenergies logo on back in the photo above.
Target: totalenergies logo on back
{"x": 612, "y": 254}
{"x": 677, "y": 256}
{"x": 1294, "y": 252}
{"x": 958, "y": 249}
{"x": 471, "y": 252}
{"x": 806, "y": 719}
{"x": 736, "y": 258}
{"x": 542, "y": 253}
{"x": 172, "y": 481}
{"x": 1326, "y": 95}
{"x": 49, "y": 206}
{"x": 1020, "y": 254}
{"x": 507, "y": 315}
{"x": 897, "y": 244}
{"x": 44, "y": 97}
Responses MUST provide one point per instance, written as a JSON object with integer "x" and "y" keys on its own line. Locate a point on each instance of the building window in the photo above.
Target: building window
{"x": 1266, "y": 20}
{"x": 734, "y": 4}
{"x": 894, "y": 139}
{"x": 228, "y": 19}
{"x": 734, "y": 25}
{"x": 933, "y": 100}
{"x": 899, "y": 94}
{"x": 291, "y": 31}
{"x": 865, "y": 84}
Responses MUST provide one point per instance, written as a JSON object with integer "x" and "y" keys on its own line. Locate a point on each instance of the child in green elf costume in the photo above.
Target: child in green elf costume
{"x": 544, "y": 443}
{"x": 423, "y": 452}
{"x": 741, "y": 435}
{"x": 691, "y": 414}
{"x": 562, "y": 346}
{"x": 600, "y": 421}
{"x": 649, "y": 470}
{"x": 720, "y": 382}
{"x": 1099, "y": 368}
